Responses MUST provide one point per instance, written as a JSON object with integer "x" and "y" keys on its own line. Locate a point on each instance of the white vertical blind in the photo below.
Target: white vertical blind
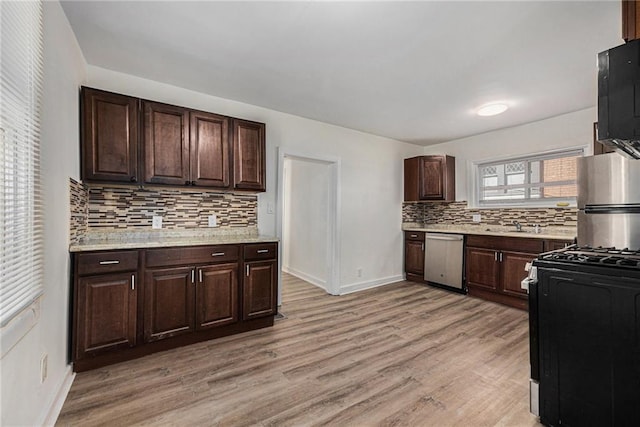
{"x": 20, "y": 192}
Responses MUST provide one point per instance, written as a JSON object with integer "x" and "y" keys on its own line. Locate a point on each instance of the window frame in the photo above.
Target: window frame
{"x": 478, "y": 203}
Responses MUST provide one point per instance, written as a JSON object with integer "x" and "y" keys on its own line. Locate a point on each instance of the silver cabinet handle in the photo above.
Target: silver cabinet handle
{"x": 200, "y": 274}
{"x": 133, "y": 282}
{"x": 262, "y": 251}
{"x": 247, "y": 268}
{"x": 495, "y": 256}
{"x": 414, "y": 235}
{"x": 423, "y": 246}
{"x": 109, "y": 262}
{"x": 217, "y": 254}
{"x": 193, "y": 276}
{"x": 500, "y": 256}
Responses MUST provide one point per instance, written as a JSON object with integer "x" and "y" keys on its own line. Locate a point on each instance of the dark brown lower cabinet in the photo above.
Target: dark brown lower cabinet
{"x": 187, "y": 295}
{"x": 217, "y": 295}
{"x": 260, "y": 289}
{"x": 169, "y": 302}
{"x": 495, "y": 267}
{"x": 414, "y": 255}
{"x": 106, "y": 313}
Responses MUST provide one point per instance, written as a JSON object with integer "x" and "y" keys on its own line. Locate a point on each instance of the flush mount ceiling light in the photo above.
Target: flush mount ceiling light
{"x": 492, "y": 109}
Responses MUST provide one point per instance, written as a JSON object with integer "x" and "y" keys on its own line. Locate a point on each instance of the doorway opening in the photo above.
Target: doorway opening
{"x": 308, "y": 219}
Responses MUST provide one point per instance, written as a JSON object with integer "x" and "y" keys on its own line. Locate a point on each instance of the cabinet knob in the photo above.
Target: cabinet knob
{"x": 193, "y": 183}
{"x": 133, "y": 179}
{"x": 187, "y": 183}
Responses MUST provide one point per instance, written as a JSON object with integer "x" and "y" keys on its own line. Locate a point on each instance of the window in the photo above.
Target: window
{"x": 20, "y": 205}
{"x": 535, "y": 179}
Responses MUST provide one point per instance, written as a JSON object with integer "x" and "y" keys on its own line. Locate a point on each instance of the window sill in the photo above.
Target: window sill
{"x": 523, "y": 206}
{"x": 18, "y": 327}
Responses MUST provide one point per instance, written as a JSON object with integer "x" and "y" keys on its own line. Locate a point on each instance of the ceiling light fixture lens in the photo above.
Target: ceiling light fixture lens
{"x": 492, "y": 109}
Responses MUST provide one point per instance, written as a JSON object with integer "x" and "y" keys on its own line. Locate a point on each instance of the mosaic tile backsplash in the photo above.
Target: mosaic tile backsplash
{"x": 457, "y": 213}
{"x": 103, "y": 208}
{"x": 79, "y": 198}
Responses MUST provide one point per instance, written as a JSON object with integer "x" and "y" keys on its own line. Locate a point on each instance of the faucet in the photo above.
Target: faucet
{"x": 518, "y": 225}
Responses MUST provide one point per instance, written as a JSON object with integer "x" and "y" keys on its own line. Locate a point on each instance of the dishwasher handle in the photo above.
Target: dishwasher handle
{"x": 449, "y": 237}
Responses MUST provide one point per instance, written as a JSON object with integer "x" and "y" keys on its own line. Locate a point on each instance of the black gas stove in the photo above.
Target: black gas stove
{"x": 601, "y": 256}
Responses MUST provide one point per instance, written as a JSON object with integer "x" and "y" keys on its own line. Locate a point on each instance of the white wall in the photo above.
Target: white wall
{"x": 24, "y": 400}
{"x": 569, "y": 130}
{"x": 371, "y": 174}
{"x": 305, "y": 231}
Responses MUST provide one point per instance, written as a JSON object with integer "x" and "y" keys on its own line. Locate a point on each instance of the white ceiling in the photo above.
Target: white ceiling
{"x": 412, "y": 71}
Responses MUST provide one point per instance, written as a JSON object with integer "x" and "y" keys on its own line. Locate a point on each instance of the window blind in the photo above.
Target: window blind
{"x": 21, "y": 252}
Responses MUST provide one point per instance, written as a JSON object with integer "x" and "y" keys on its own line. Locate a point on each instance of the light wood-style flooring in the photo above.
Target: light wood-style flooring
{"x": 399, "y": 355}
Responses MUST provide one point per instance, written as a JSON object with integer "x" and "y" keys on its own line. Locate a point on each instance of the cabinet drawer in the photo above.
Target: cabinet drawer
{"x": 260, "y": 251}
{"x": 414, "y": 235}
{"x": 516, "y": 244}
{"x": 192, "y": 255}
{"x": 106, "y": 262}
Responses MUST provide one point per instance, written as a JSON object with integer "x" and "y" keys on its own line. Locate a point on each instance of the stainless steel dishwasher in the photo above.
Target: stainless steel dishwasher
{"x": 444, "y": 260}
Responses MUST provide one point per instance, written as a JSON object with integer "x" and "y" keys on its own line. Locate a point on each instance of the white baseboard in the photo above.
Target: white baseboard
{"x": 316, "y": 281}
{"x": 361, "y": 286}
{"x": 56, "y": 406}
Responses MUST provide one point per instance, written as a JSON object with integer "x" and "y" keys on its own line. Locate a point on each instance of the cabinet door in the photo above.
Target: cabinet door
{"x": 210, "y": 162}
{"x": 259, "y": 289}
{"x": 432, "y": 178}
{"x": 109, "y": 136}
{"x": 168, "y": 302}
{"x": 513, "y": 272}
{"x": 106, "y": 313}
{"x": 483, "y": 268}
{"x": 217, "y": 295}
{"x": 248, "y": 155}
{"x": 166, "y": 144}
{"x": 414, "y": 257}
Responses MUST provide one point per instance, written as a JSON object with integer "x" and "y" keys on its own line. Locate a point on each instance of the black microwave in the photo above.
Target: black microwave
{"x": 619, "y": 98}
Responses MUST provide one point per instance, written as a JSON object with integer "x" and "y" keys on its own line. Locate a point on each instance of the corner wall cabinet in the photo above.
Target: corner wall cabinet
{"x": 126, "y": 139}
{"x": 109, "y": 132}
{"x": 131, "y": 303}
{"x": 430, "y": 178}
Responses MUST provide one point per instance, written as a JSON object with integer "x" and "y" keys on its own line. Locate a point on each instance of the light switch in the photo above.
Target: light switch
{"x": 476, "y": 218}
{"x": 156, "y": 222}
{"x": 213, "y": 221}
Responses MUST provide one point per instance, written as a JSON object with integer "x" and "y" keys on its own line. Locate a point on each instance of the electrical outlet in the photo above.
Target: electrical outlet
{"x": 476, "y": 218}
{"x": 359, "y": 272}
{"x": 213, "y": 222}
{"x": 44, "y": 361}
{"x": 156, "y": 222}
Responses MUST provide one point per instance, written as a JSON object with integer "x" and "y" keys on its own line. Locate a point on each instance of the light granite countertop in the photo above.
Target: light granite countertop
{"x": 555, "y": 233}
{"x": 114, "y": 240}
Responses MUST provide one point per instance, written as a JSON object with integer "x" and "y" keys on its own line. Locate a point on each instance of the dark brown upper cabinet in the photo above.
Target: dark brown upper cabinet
{"x": 184, "y": 147}
{"x": 109, "y": 136}
{"x": 630, "y": 20}
{"x": 166, "y": 144}
{"x": 429, "y": 178}
{"x": 125, "y": 139}
{"x": 248, "y": 155}
{"x": 209, "y": 147}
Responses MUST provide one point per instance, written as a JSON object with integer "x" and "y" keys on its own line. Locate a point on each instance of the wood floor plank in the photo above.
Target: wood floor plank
{"x": 399, "y": 355}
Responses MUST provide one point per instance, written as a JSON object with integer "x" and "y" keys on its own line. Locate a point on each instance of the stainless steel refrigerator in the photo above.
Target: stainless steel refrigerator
{"x": 609, "y": 201}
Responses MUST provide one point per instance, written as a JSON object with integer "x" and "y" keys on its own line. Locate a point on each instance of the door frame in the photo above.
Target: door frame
{"x": 333, "y": 220}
